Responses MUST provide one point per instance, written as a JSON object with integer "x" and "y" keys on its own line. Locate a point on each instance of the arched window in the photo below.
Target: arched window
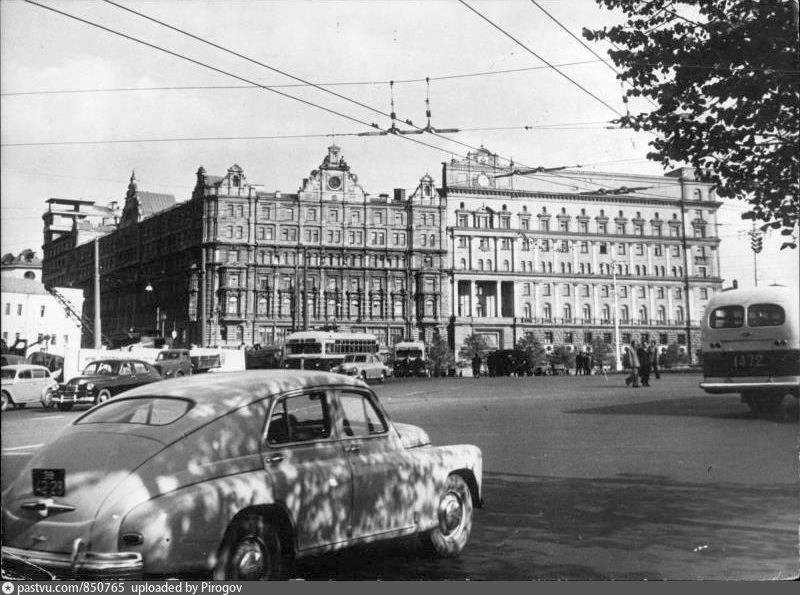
{"x": 662, "y": 314}
{"x": 606, "y": 313}
{"x": 262, "y": 306}
{"x": 547, "y": 311}
{"x": 587, "y": 313}
{"x": 567, "y": 310}
{"x": 429, "y": 309}
{"x": 233, "y": 305}
{"x": 354, "y": 313}
{"x": 526, "y": 310}
{"x": 463, "y": 263}
{"x": 679, "y": 314}
{"x": 643, "y": 314}
{"x": 433, "y": 240}
{"x": 489, "y": 264}
{"x": 506, "y": 265}
{"x": 480, "y": 264}
{"x": 424, "y": 239}
{"x": 398, "y": 309}
{"x": 624, "y": 313}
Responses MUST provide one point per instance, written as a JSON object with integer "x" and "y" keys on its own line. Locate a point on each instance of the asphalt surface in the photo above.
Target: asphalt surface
{"x": 584, "y": 479}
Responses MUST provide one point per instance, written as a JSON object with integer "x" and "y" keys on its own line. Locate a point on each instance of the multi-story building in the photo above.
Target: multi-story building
{"x": 236, "y": 264}
{"x": 526, "y": 256}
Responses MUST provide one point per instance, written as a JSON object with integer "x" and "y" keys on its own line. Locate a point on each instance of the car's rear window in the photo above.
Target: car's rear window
{"x": 726, "y": 317}
{"x": 155, "y": 411}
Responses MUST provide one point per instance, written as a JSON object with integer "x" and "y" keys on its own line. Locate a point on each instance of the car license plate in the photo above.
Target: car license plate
{"x": 49, "y": 482}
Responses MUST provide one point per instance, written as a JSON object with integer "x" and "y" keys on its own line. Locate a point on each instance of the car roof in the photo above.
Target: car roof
{"x": 25, "y": 367}
{"x": 239, "y": 388}
{"x": 116, "y": 359}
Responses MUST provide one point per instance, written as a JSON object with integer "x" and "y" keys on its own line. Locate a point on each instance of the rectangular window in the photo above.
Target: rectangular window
{"x": 662, "y": 338}
{"x": 525, "y": 224}
{"x": 311, "y": 214}
{"x": 642, "y": 292}
{"x": 544, "y": 224}
{"x": 568, "y": 337}
{"x": 41, "y": 311}
{"x": 621, "y": 249}
{"x": 639, "y": 249}
{"x": 545, "y": 246}
{"x": 230, "y": 210}
{"x": 548, "y": 336}
{"x": 638, "y": 230}
{"x": 626, "y": 338}
{"x": 462, "y": 242}
{"x": 8, "y": 308}
{"x": 546, "y": 289}
{"x": 526, "y": 289}
{"x": 505, "y": 222}
{"x": 239, "y": 232}
{"x": 658, "y": 250}
{"x": 681, "y": 339}
{"x": 676, "y": 251}
{"x": 233, "y": 256}
{"x": 703, "y": 295}
{"x": 621, "y": 228}
{"x": 584, "y": 247}
{"x": 603, "y": 249}
{"x": 602, "y": 228}
{"x": 607, "y": 338}
{"x": 377, "y": 218}
{"x": 288, "y": 214}
{"x": 505, "y": 244}
{"x": 19, "y": 309}
{"x": 462, "y": 221}
{"x": 563, "y": 225}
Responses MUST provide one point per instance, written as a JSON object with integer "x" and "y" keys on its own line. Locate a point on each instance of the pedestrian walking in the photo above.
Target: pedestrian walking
{"x": 476, "y": 366}
{"x": 587, "y": 363}
{"x": 654, "y": 360}
{"x": 633, "y": 363}
{"x": 644, "y": 364}
{"x": 579, "y": 364}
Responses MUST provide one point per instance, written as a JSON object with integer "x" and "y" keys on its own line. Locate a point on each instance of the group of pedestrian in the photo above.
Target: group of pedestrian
{"x": 642, "y": 360}
{"x": 583, "y": 363}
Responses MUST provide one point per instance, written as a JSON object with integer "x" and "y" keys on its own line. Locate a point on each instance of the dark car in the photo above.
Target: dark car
{"x": 102, "y": 379}
{"x": 508, "y": 362}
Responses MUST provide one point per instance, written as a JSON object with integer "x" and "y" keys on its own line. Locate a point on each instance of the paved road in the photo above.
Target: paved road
{"x": 584, "y": 480}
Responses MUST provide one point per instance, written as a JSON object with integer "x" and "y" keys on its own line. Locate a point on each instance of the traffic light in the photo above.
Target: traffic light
{"x": 756, "y": 241}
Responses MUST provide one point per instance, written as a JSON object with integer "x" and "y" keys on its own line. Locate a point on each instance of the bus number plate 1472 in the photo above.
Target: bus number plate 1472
{"x": 746, "y": 361}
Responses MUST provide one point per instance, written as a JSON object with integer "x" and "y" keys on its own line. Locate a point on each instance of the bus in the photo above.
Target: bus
{"x": 323, "y": 350}
{"x": 410, "y": 359}
{"x": 751, "y": 346}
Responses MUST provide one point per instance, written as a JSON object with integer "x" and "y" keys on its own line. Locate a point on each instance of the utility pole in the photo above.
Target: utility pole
{"x": 98, "y": 343}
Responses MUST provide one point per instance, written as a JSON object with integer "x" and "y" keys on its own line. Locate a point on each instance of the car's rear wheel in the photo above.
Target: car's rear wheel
{"x": 250, "y": 551}
{"x": 7, "y": 402}
{"x": 103, "y": 396}
{"x": 382, "y": 379}
{"x": 454, "y": 513}
{"x": 178, "y": 373}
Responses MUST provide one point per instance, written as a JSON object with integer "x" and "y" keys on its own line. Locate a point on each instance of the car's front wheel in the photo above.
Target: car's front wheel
{"x": 454, "y": 513}
{"x": 47, "y": 399}
{"x": 250, "y": 551}
{"x": 103, "y": 396}
{"x": 6, "y": 403}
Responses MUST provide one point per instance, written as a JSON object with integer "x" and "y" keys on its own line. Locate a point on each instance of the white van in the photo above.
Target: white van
{"x": 751, "y": 346}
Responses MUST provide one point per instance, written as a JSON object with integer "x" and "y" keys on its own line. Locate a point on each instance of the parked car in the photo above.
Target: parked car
{"x": 363, "y": 365}
{"x": 26, "y": 383}
{"x": 102, "y": 379}
{"x": 173, "y": 362}
{"x": 233, "y": 476}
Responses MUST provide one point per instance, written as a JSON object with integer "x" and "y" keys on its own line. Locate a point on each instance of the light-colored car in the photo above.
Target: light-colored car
{"x": 366, "y": 366}
{"x": 233, "y": 476}
{"x": 27, "y": 383}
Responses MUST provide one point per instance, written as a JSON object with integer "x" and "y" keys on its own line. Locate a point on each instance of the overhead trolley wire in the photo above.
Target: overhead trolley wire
{"x": 530, "y": 51}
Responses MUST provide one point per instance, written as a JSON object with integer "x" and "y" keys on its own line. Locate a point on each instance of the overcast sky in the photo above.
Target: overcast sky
{"x": 74, "y": 96}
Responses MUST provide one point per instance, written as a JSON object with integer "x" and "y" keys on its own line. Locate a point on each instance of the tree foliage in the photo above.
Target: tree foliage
{"x": 533, "y": 348}
{"x": 725, "y": 76}
{"x": 439, "y": 354}
{"x": 473, "y": 344}
{"x": 673, "y": 356}
{"x": 602, "y": 352}
{"x": 561, "y": 354}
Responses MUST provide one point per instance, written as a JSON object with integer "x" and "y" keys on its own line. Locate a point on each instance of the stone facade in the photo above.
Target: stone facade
{"x": 528, "y": 257}
{"x": 236, "y": 264}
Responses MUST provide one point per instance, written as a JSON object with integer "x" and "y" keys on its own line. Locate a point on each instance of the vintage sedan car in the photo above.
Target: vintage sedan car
{"x": 27, "y": 383}
{"x": 102, "y": 379}
{"x": 366, "y": 366}
{"x": 233, "y": 476}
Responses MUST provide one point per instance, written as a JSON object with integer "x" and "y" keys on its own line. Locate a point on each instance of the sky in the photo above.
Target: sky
{"x": 83, "y": 107}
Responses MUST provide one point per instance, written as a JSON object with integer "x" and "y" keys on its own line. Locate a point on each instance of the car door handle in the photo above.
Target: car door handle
{"x": 354, "y": 449}
{"x": 275, "y": 459}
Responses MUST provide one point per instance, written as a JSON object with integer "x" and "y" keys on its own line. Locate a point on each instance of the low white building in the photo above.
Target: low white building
{"x": 30, "y": 312}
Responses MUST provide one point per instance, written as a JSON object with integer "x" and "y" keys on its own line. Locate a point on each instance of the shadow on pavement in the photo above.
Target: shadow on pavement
{"x": 629, "y": 527}
{"x": 718, "y": 407}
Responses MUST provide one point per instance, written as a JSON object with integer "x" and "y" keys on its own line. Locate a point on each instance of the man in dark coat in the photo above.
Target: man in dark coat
{"x": 644, "y": 364}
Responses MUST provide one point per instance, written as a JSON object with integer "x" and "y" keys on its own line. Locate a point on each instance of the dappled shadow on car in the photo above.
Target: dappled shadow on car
{"x": 713, "y": 406}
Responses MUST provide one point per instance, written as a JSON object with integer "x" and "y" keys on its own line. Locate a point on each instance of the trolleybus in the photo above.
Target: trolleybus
{"x": 323, "y": 350}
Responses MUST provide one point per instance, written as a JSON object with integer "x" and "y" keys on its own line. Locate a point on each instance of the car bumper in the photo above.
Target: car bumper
{"x": 87, "y": 565}
{"x": 73, "y": 398}
{"x": 735, "y": 387}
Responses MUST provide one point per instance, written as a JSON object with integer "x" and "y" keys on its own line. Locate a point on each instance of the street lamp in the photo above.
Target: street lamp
{"x": 617, "y": 360}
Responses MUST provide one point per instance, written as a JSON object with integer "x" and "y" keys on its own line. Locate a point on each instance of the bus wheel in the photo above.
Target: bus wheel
{"x": 781, "y": 407}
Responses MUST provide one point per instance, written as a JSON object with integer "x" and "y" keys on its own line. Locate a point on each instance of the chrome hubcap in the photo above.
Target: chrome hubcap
{"x": 451, "y": 513}
{"x": 249, "y": 560}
